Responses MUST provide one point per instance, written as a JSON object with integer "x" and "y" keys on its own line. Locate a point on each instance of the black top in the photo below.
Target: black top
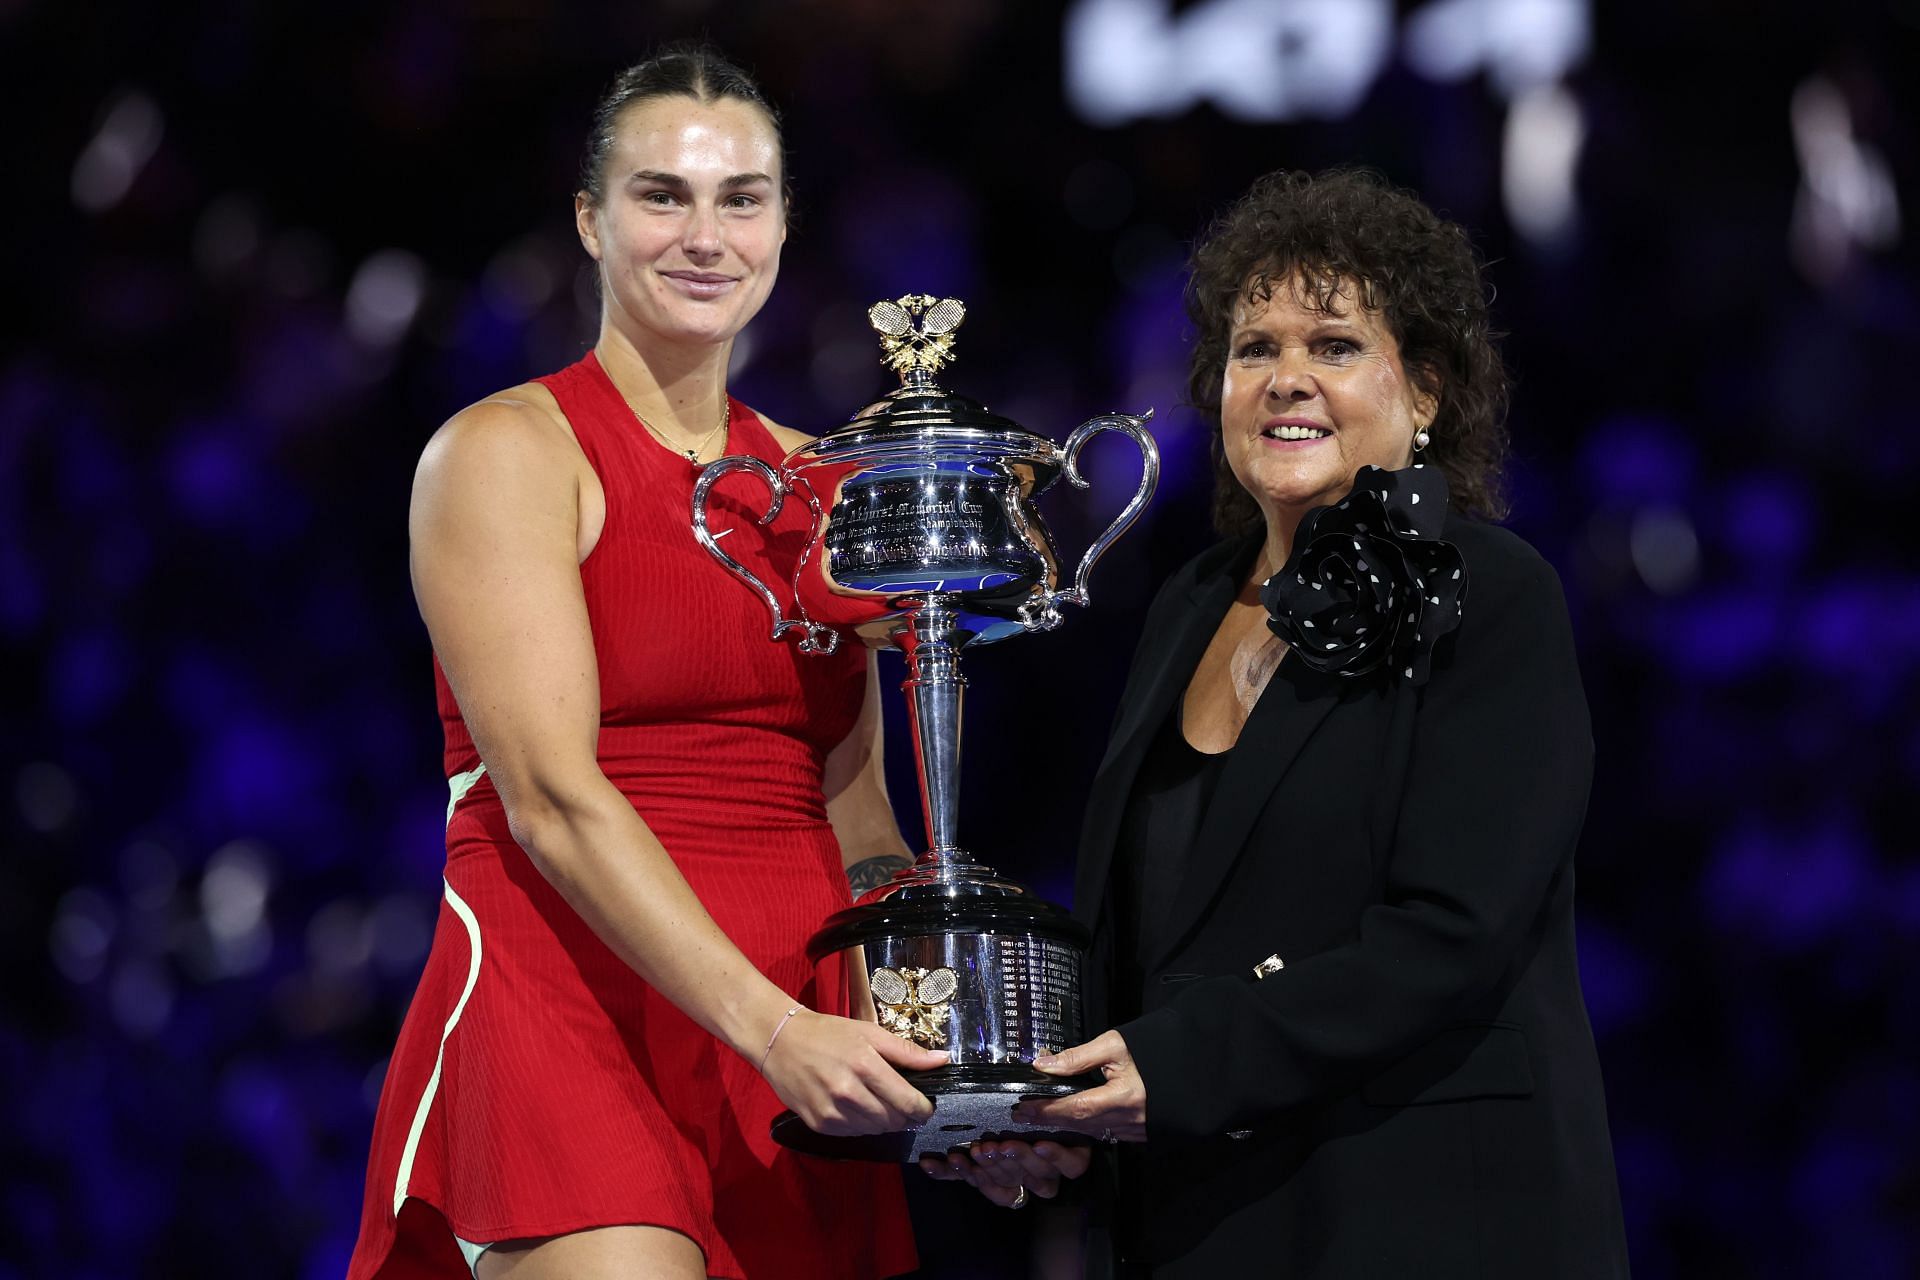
{"x": 1164, "y": 812}
{"x": 1416, "y": 1093}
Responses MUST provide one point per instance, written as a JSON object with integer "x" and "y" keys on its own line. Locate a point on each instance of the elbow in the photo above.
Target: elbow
{"x": 532, "y": 827}
{"x": 545, "y": 817}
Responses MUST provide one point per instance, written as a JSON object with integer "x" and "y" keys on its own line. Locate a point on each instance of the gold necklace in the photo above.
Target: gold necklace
{"x": 691, "y": 455}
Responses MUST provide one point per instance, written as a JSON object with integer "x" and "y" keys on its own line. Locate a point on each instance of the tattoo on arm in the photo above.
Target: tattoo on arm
{"x": 871, "y": 873}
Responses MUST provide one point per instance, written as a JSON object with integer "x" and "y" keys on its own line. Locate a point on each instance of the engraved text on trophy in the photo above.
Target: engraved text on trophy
{"x": 1040, "y": 985}
{"x": 932, "y": 528}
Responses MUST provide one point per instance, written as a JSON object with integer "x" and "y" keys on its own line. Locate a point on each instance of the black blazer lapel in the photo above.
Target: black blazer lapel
{"x": 1181, "y": 640}
{"x": 1292, "y": 706}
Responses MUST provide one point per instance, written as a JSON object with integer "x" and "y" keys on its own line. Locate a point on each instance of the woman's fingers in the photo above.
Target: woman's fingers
{"x": 1002, "y": 1196}
{"x": 955, "y": 1166}
{"x": 1067, "y": 1162}
{"x": 1108, "y": 1048}
{"x": 1090, "y": 1107}
{"x": 873, "y": 1101}
{"x": 998, "y": 1165}
{"x": 844, "y": 1078}
{"x": 1011, "y": 1162}
{"x": 905, "y": 1101}
{"x": 1116, "y": 1109}
{"x": 942, "y": 1168}
{"x": 840, "y": 1076}
{"x": 959, "y": 1166}
{"x": 1039, "y": 1163}
{"x": 905, "y": 1056}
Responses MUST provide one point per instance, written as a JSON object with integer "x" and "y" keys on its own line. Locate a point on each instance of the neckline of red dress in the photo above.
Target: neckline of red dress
{"x": 740, "y": 419}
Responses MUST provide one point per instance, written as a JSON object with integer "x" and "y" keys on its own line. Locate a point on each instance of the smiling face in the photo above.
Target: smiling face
{"x": 688, "y": 235}
{"x": 1310, "y": 396}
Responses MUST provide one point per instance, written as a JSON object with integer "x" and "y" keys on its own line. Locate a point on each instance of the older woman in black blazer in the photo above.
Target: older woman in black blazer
{"x": 1328, "y": 857}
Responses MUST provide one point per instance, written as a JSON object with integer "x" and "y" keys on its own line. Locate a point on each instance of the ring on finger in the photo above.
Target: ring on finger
{"x": 1019, "y": 1200}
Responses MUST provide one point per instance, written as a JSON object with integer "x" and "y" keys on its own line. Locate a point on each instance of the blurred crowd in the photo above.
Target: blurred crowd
{"x": 260, "y": 252}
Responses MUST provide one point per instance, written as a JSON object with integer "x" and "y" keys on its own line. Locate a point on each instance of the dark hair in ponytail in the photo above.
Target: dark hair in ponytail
{"x": 687, "y": 69}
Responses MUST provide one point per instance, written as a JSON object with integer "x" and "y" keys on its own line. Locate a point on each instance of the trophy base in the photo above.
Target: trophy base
{"x": 971, "y": 1102}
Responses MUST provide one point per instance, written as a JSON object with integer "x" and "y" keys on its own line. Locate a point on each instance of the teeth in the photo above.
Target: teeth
{"x": 1297, "y": 433}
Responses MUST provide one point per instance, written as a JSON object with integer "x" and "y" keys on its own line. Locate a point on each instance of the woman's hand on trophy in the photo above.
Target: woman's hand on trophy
{"x": 999, "y": 1169}
{"x": 1112, "y": 1112}
{"x": 958, "y": 1166}
{"x": 842, "y": 1077}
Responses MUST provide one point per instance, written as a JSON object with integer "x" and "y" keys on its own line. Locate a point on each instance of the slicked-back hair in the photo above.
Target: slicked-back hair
{"x": 1346, "y": 238}
{"x": 687, "y": 69}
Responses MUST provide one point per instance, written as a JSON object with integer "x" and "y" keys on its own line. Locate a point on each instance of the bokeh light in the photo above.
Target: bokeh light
{"x": 260, "y": 254}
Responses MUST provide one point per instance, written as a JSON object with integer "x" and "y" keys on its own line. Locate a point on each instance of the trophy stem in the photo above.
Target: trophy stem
{"x": 934, "y": 687}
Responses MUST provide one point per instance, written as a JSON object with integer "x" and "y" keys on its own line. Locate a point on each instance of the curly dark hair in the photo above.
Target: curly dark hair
{"x": 1346, "y": 233}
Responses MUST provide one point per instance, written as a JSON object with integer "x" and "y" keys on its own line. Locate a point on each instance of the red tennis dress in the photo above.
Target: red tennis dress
{"x": 539, "y": 1086}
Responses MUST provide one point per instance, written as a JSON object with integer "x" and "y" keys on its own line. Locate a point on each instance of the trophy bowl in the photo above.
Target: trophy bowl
{"x": 926, "y": 539}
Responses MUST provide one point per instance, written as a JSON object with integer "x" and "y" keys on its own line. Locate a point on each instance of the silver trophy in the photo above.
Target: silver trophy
{"x": 926, "y": 539}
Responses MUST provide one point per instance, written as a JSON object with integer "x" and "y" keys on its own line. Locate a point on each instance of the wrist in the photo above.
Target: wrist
{"x": 749, "y": 1022}
{"x": 793, "y": 1011}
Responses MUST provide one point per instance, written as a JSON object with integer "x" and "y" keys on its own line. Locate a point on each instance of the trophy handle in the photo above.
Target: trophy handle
{"x": 816, "y": 638}
{"x": 1043, "y": 614}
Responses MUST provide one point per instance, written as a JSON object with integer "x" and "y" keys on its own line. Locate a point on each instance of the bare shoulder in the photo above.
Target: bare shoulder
{"x": 786, "y": 437}
{"x": 520, "y": 429}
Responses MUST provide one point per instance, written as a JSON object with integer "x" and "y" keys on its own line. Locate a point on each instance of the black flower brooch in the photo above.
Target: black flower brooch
{"x": 1370, "y": 582}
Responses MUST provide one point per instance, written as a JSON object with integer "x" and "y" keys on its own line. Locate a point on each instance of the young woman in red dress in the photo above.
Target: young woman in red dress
{"x": 653, "y": 806}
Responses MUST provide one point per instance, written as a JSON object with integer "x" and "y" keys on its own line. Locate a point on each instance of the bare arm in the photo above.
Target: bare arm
{"x": 856, "y": 785}
{"x": 871, "y": 849}
{"x": 495, "y": 529}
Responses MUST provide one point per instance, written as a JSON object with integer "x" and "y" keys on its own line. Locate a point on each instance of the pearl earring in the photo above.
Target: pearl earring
{"x": 1421, "y": 440}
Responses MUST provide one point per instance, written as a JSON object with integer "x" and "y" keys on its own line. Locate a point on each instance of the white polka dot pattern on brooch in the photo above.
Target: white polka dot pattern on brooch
{"x": 1345, "y": 581}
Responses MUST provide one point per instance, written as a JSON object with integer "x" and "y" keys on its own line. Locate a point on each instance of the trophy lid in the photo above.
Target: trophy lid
{"x": 916, "y": 341}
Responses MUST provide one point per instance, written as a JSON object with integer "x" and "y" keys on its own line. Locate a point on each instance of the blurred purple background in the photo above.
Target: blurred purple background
{"x": 257, "y": 253}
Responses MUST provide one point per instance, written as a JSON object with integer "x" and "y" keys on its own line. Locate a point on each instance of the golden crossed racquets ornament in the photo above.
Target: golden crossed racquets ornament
{"x": 912, "y": 1003}
{"x": 916, "y": 331}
